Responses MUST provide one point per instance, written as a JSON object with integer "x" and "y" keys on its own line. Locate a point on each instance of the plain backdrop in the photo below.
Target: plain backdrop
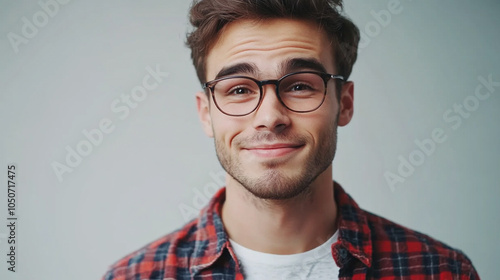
{"x": 155, "y": 167}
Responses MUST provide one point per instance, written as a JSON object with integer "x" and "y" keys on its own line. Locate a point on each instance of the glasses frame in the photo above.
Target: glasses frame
{"x": 325, "y": 76}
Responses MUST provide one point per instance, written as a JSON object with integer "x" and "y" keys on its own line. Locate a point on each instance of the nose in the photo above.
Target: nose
{"x": 271, "y": 114}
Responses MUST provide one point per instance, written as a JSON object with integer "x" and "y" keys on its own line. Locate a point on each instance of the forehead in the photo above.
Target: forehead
{"x": 266, "y": 44}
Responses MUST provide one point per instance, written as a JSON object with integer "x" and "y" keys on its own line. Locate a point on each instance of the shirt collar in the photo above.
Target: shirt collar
{"x": 354, "y": 233}
{"x": 210, "y": 237}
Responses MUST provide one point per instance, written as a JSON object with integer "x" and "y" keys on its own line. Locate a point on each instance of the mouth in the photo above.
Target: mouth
{"x": 274, "y": 150}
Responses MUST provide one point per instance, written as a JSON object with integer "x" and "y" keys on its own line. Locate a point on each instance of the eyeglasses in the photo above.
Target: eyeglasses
{"x": 300, "y": 92}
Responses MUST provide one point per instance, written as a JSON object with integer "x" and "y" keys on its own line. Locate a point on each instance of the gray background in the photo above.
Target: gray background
{"x": 154, "y": 167}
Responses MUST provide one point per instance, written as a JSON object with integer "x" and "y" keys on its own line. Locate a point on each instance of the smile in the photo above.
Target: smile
{"x": 274, "y": 150}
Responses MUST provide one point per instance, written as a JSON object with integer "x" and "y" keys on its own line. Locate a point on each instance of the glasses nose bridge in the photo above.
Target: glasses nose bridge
{"x": 276, "y": 88}
{"x": 269, "y": 82}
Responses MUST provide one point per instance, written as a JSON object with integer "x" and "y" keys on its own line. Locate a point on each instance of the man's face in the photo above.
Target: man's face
{"x": 273, "y": 152}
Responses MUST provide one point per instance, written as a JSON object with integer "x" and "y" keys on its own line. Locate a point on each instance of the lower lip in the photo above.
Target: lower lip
{"x": 272, "y": 153}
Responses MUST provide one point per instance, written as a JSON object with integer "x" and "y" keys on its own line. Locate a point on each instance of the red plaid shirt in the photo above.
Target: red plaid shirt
{"x": 369, "y": 247}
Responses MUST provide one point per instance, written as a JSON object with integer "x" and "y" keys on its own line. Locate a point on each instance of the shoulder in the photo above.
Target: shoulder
{"x": 176, "y": 254}
{"x": 154, "y": 258}
{"x": 399, "y": 247}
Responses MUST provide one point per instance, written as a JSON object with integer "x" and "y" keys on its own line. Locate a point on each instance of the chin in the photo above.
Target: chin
{"x": 274, "y": 185}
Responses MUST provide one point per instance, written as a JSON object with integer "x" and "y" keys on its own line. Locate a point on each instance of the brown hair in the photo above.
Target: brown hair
{"x": 208, "y": 17}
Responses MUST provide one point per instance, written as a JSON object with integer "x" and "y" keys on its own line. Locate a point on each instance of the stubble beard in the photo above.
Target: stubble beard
{"x": 273, "y": 184}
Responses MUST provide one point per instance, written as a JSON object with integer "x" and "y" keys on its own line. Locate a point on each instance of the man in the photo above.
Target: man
{"x": 275, "y": 78}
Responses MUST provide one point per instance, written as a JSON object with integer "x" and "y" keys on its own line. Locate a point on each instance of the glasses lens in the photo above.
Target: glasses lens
{"x": 236, "y": 96}
{"x": 302, "y": 92}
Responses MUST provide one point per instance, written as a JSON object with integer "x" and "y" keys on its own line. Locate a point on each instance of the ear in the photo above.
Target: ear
{"x": 346, "y": 104}
{"x": 203, "y": 106}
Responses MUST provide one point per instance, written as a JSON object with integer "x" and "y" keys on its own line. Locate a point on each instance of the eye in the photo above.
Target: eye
{"x": 300, "y": 87}
{"x": 239, "y": 90}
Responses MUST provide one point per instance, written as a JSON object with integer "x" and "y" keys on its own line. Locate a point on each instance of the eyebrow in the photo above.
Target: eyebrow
{"x": 297, "y": 64}
{"x": 288, "y": 66}
{"x": 239, "y": 68}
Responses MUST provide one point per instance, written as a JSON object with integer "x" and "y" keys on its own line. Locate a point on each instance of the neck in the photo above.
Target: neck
{"x": 281, "y": 226}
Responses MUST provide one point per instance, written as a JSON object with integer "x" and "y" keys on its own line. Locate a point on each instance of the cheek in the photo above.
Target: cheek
{"x": 311, "y": 125}
{"x": 321, "y": 124}
{"x": 330, "y": 111}
{"x": 226, "y": 128}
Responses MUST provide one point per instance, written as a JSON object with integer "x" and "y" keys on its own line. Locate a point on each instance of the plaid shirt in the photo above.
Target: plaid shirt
{"x": 369, "y": 247}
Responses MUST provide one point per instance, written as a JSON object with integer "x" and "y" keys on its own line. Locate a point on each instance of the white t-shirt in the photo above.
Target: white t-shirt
{"x": 317, "y": 263}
